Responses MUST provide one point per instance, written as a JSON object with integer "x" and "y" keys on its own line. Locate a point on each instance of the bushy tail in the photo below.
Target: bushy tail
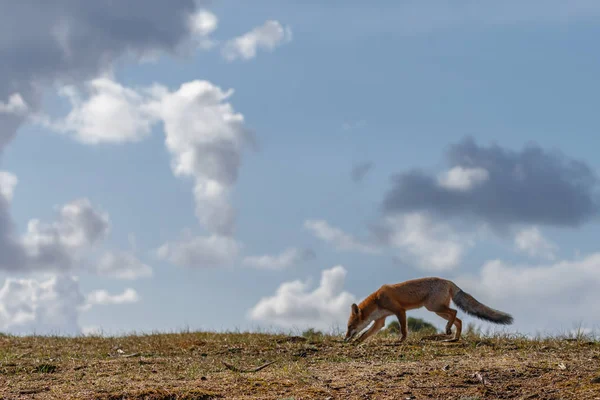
{"x": 468, "y": 304}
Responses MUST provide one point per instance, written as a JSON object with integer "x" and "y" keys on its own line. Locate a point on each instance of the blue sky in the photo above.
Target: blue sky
{"x": 343, "y": 84}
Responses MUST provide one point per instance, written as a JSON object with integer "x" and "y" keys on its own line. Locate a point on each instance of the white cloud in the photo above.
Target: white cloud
{"x": 45, "y": 307}
{"x": 285, "y": 259}
{"x": 338, "y": 238}
{"x": 51, "y": 304}
{"x": 200, "y": 251}
{"x": 268, "y": 36}
{"x": 541, "y": 297}
{"x": 433, "y": 246}
{"x": 110, "y": 114}
{"x": 532, "y": 242}
{"x": 205, "y": 137}
{"x": 202, "y": 23}
{"x": 295, "y": 305}
{"x": 103, "y": 298}
{"x": 122, "y": 265}
{"x": 15, "y": 105}
{"x": 8, "y": 181}
{"x": 463, "y": 179}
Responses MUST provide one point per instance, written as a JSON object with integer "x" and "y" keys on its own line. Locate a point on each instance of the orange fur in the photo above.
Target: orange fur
{"x": 432, "y": 293}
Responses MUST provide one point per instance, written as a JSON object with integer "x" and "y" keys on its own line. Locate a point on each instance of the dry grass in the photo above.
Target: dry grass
{"x": 190, "y": 366}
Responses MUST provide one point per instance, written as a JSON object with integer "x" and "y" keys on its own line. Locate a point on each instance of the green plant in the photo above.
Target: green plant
{"x": 414, "y": 325}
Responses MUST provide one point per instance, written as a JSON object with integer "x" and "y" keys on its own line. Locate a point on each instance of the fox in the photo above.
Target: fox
{"x": 433, "y": 293}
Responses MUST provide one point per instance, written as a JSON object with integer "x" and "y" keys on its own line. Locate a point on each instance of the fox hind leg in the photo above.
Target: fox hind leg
{"x": 448, "y": 318}
{"x": 449, "y": 314}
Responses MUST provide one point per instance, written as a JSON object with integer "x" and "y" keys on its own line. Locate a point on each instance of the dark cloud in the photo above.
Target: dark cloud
{"x": 72, "y": 40}
{"x": 531, "y": 186}
{"x": 359, "y": 171}
{"x": 12, "y": 254}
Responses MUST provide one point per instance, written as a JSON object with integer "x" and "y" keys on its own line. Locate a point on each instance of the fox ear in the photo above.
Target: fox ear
{"x": 354, "y": 308}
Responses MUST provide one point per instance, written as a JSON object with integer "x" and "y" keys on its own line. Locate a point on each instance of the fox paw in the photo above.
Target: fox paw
{"x": 448, "y": 331}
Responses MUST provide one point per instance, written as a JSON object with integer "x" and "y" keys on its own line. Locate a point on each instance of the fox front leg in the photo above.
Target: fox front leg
{"x": 372, "y": 330}
{"x": 401, "y": 314}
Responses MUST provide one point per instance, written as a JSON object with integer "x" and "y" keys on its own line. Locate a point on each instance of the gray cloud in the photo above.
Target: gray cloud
{"x": 12, "y": 253}
{"x": 531, "y": 186}
{"x": 71, "y": 40}
{"x": 359, "y": 171}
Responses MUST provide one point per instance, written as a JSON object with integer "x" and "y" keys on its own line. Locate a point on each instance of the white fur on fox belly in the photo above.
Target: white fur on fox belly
{"x": 375, "y": 315}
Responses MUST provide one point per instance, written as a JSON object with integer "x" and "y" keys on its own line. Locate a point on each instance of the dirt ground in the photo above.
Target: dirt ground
{"x": 222, "y": 366}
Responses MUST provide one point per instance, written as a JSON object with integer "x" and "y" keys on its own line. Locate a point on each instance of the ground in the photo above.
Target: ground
{"x": 213, "y": 366}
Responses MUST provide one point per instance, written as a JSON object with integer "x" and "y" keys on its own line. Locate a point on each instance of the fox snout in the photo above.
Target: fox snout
{"x": 349, "y": 335}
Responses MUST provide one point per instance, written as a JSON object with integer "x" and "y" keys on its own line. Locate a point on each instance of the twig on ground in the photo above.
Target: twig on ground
{"x": 236, "y": 369}
{"x": 130, "y": 355}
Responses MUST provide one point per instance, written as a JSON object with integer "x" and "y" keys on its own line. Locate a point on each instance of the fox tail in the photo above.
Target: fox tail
{"x": 471, "y": 306}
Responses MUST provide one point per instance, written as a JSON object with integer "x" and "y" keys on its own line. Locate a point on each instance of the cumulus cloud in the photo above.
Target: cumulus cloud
{"x": 60, "y": 245}
{"x": 122, "y": 265}
{"x": 200, "y": 251}
{"x": 204, "y": 134}
{"x": 111, "y": 113}
{"x": 296, "y": 305}
{"x": 202, "y": 24}
{"x": 462, "y": 179}
{"x": 359, "y": 171}
{"x": 267, "y": 37}
{"x": 15, "y": 105}
{"x": 553, "y": 296}
{"x": 205, "y": 137}
{"x": 67, "y": 244}
{"x": 532, "y": 242}
{"x": 430, "y": 245}
{"x": 103, "y": 298}
{"x": 285, "y": 259}
{"x": 43, "y": 44}
{"x": 339, "y": 239}
{"x": 531, "y": 186}
{"x": 50, "y": 305}
{"x": 8, "y": 181}
{"x": 45, "y": 307}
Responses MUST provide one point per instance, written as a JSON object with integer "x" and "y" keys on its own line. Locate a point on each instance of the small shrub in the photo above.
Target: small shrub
{"x": 312, "y": 334}
{"x": 414, "y": 325}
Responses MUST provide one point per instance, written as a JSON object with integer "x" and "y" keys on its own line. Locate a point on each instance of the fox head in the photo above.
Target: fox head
{"x": 355, "y": 322}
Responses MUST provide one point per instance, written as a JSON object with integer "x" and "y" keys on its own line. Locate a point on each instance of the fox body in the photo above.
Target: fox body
{"x": 432, "y": 293}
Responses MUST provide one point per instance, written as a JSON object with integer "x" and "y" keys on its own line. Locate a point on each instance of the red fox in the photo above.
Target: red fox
{"x": 433, "y": 293}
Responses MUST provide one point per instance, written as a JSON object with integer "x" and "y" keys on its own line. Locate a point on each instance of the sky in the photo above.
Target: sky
{"x": 224, "y": 166}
